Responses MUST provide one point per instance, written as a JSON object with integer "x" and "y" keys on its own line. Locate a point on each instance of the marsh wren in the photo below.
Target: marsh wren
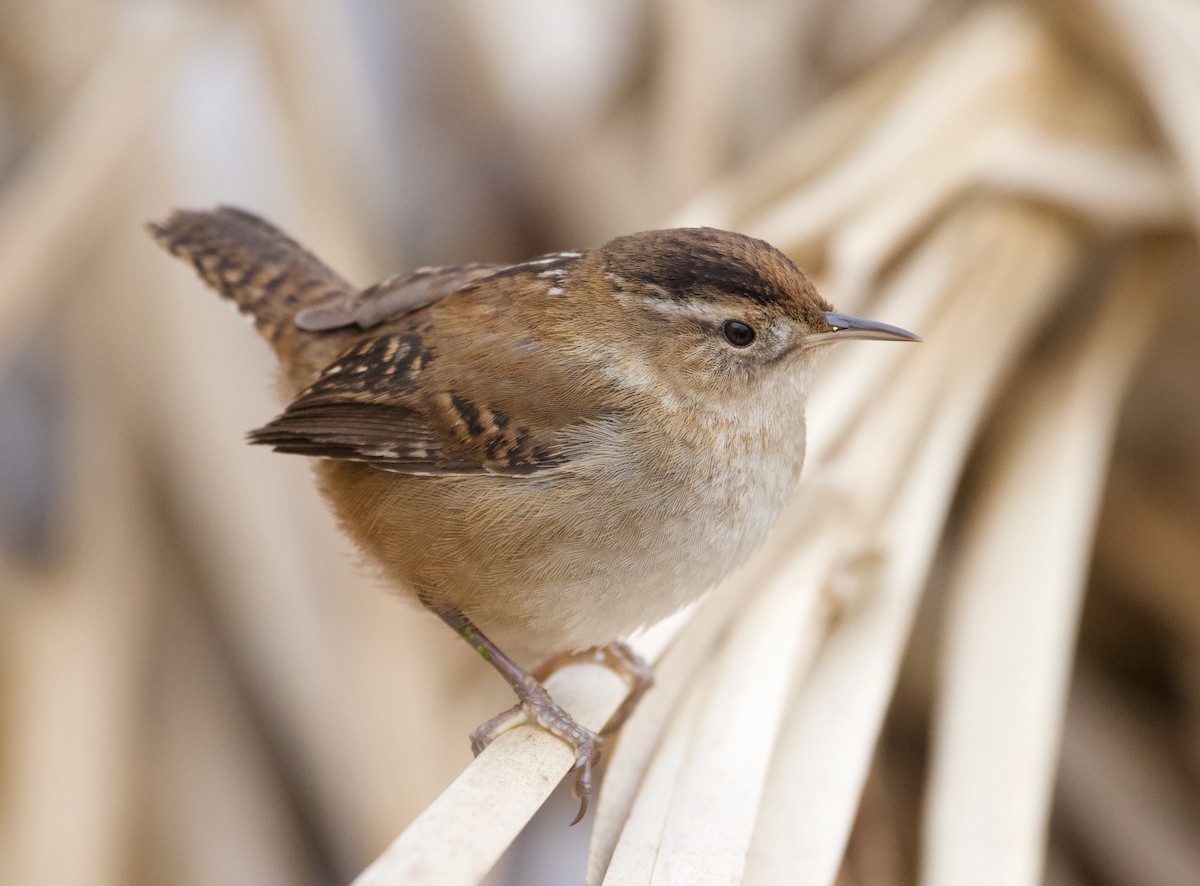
{"x": 550, "y": 454}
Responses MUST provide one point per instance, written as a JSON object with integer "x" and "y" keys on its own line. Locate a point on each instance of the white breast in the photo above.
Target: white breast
{"x": 686, "y": 517}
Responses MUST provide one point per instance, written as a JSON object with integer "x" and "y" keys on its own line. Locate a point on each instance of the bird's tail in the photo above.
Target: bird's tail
{"x": 266, "y": 273}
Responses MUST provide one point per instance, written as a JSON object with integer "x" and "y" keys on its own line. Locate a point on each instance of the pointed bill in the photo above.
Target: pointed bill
{"x": 846, "y": 328}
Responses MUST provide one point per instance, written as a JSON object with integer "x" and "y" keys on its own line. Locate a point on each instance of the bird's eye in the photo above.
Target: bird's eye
{"x": 737, "y": 333}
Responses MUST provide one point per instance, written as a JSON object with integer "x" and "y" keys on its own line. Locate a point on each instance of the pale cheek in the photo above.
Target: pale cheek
{"x": 631, "y": 374}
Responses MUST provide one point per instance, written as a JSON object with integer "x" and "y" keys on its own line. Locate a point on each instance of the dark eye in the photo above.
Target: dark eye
{"x": 737, "y": 333}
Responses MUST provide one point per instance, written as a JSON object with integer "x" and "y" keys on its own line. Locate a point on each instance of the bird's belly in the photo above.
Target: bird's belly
{"x": 613, "y": 562}
{"x": 569, "y": 563}
{"x": 639, "y": 584}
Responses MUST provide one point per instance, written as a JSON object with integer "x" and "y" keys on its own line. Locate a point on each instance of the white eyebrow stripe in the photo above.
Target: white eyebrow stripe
{"x": 662, "y": 302}
{"x": 555, "y": 264}
{"x": 552, "y": 258}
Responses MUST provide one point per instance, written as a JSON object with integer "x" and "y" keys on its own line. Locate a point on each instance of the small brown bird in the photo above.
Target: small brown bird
{"x": 555, "y": 452}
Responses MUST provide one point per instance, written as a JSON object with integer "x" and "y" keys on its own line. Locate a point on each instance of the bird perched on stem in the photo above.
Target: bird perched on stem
{"x": 550, "y": 454}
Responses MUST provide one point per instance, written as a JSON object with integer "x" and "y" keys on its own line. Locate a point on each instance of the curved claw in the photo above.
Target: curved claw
{"x": 583, "y": 808}
{"x": 584, "y": 761}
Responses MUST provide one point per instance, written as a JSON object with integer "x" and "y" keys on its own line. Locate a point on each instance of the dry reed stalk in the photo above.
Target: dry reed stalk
{"x": 641, "y": 826}
{"x": 332, "y": 113}
{"x": 729, "y": 744}
{"x": 1016, "y": 594}
{"x": 944, "y": 100}
{"x": 689, "y": 655}
{"x": 496, "y": 795}
{"x": 684, "y": 661}
{"x": 216, "y": 810}
{"x": 55, "y": 206}
{"x": 695, "y": 78}
{"x": 801, "y": 152}
{"x": 1162, "y": 37}
{"x": 76, "y": 647}
{"x": 825, "y": 749}
{"x": 839, "y": 388}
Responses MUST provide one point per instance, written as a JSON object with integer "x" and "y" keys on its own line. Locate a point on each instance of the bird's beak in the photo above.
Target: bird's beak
{"x": 847, "y": 328}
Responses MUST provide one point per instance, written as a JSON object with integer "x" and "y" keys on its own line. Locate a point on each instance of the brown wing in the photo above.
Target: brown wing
{"x": 372, "y": 405}
{"x": 392, "y": 298}
{"x": 400, "y": 295}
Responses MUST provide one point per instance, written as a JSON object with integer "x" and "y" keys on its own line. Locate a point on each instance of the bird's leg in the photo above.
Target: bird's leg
{"x": 618, "y": 657}
{"x": 533, "y": 704}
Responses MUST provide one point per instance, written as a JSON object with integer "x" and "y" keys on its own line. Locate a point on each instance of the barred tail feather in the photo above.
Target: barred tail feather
{"x": 266, "y": 273}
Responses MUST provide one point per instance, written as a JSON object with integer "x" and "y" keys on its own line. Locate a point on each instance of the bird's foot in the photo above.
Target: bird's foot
{"x": 536, "y": 706}
{"x": 618, "y": 657}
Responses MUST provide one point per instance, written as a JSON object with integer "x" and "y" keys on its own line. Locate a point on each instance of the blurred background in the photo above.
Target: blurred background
{"x": 197, "y": 683}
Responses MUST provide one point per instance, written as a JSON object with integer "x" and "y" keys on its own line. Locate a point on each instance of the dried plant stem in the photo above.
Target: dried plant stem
{"x": 801, "y": 153}
{"x": 74, "y": 659}
{"x": 697, "y": 76}
{"x": 1161, "y": 36}
{"x": 825, "y": 748}
{"x": 1016, "y": 597}
{"x": 632, "y": 859}
{"x": 708, "y": 822}
{"x": 335, "y": 142}
{"x": 496, "y": 795}
{"x": 946, "y": 95}
{"x": 1145, "y": 191}
{"x": 57, "y": 204}
{"x": 504, "y": 786}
